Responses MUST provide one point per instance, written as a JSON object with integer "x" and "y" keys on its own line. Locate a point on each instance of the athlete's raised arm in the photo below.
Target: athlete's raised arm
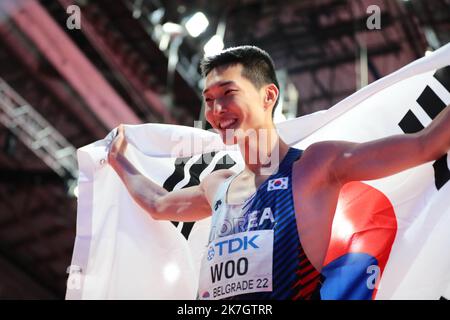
{"x": 376, "y": 159}
{"x": 188, "y": 204}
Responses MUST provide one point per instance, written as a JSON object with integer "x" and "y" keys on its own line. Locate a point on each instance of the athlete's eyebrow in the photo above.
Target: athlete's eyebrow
{"x": 221, "y": 84}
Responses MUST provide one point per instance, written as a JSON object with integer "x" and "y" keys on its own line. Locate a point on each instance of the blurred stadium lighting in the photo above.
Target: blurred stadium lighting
{"x": 213, "y": 46}
{"x": 156, "y": 16}
{"x": 137, "y": 9}
{"x": 172, "y": 28}
{"x": 197, "y": 24}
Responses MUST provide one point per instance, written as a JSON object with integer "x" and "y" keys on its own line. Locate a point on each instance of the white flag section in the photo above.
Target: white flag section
{"x": 395, "y": 230}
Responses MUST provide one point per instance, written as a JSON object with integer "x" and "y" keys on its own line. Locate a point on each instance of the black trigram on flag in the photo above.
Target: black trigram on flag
{"x": 432, "y": 105}
{"x": 195, "y": 170}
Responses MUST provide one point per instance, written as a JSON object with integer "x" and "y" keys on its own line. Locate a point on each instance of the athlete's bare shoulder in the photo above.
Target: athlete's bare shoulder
{"x": 212, "y": 181}
{"x": 315, "y": 163}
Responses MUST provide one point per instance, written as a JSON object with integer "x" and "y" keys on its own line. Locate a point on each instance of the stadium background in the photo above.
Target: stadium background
{"x": 68, "y": 75}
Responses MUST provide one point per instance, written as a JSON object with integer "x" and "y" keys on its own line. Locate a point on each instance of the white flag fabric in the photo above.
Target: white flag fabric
{"x": 390, "y": 236}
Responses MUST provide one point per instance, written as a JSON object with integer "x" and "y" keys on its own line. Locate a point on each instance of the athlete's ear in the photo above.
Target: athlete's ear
{"x": 271, "y": 95}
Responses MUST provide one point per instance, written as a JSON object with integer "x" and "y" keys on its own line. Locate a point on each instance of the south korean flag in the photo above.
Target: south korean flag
{"x": 278, "y": 184}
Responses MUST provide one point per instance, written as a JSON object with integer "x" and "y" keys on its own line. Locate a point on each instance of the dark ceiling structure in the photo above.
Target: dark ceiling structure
{"x": 62, "y": 88}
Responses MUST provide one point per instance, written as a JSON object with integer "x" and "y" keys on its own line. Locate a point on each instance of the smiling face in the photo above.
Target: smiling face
{"x": 234, "y": 103}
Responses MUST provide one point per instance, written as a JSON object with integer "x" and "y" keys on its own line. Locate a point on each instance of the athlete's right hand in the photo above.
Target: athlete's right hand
{"x": 118, "y": 145}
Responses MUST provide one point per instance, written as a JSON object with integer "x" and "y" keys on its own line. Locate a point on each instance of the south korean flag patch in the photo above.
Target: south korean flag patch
{"x": 278, "y": 184}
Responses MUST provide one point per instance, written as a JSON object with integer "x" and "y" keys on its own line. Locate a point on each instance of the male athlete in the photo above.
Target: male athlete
{"x": 271, "y": 223}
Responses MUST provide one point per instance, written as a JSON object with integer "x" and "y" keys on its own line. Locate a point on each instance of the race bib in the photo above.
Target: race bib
{"x": 237, "y": 264}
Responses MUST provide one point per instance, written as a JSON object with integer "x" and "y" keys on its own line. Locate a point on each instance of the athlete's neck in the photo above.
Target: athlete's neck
{"x": 263, "y": 151}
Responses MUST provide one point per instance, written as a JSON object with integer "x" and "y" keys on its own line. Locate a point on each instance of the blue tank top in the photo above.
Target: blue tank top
{"x": 271, "y": 207}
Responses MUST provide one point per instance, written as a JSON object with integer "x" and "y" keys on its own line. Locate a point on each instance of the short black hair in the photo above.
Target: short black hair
{"x": 258, "y": 66}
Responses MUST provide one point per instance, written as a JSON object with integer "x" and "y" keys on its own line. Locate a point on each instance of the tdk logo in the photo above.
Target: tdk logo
{"x": 237, "y": 244}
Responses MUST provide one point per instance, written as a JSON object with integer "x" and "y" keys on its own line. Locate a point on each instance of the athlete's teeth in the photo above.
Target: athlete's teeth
{"x": 226, "y": 123}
